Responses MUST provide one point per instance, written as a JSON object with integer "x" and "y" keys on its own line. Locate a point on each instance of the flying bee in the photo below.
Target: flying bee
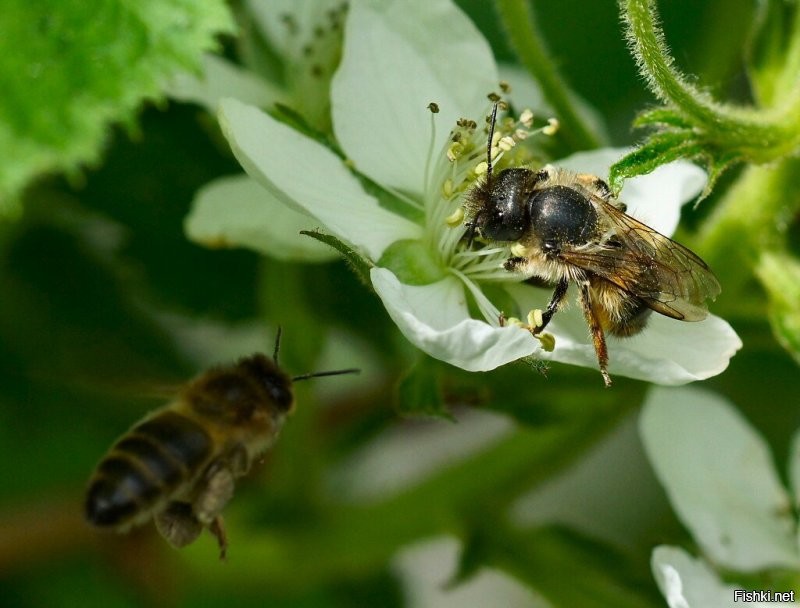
{"x": 179, "y": 464}
{"x": 567, "y": 228}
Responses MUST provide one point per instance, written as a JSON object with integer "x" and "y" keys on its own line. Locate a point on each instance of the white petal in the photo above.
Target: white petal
{"x": 526, "y": 93}
{"x": 237, "y": 211}
{"x": 306, "y": 175}
{"x": 720, "y": 479}
{"x": 690, "y": 583}
{"x": 654, "y": 199}
{"x": 399, "y": 56}
{"x": 219, "y": 79}
{"x": 434, "y": 318}
{"x": 270, "y": 16}
{"x": 667, "y": 351}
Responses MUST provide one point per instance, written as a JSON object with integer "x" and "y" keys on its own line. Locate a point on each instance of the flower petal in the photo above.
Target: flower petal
{"x": 667, "y": 352}
{"x": 219, "y": 79}
{"x": 434, "y": 318}
{"x": 686, "y": 582}
{"x": 399, "y": 56}
{"x": 309, "y": 177}
{"x": 654, "y": 199}
{"x": 237, "y": 211}
{"x": 719, "y": 477}
{"x": 289, "y": 38}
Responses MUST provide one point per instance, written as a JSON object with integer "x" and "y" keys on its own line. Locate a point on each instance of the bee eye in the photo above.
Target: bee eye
{"x": 280, "y": 394}
{"x": 505, "y": 222}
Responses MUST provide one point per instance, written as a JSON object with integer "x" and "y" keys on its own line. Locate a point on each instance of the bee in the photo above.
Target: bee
{"x": 567, "y": 228}
{"x": 179, "y": 464}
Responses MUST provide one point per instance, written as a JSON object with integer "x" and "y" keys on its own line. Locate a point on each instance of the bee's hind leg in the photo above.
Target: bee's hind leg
{"x": 598, "y": 337}
{"x": 178, "y": 525}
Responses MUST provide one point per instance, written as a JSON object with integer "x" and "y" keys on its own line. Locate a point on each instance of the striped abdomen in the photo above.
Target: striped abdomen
{"x": 145, "y": 467}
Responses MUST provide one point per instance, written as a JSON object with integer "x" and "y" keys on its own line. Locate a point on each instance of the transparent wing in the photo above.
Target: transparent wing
{"x": 668, "y": 277}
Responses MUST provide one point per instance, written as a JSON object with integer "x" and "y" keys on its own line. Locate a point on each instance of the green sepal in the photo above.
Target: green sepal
{"x": 662, "y": 117}
{"x": 660, "y": 148}
{"x": 411, "y": 261}
{"x": 357, "y": 263}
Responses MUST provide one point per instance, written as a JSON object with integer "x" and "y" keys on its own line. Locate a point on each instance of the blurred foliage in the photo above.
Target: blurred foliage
{"x": 70, "y": 68}
{"x": 104, "y": 305}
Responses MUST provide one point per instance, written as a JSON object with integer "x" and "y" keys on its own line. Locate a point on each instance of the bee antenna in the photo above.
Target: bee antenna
{"x": 277, "y": 345}
{"x": 335, "y": 372}
{"x": 489, "y": 143}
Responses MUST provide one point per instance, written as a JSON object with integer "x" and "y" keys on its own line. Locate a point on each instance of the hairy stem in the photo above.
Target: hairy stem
{"x": 761, "y": 134}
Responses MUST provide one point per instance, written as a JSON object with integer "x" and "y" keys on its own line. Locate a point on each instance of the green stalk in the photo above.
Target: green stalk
{"x": 762, "y": 134}
{"x": 519, "y": 21}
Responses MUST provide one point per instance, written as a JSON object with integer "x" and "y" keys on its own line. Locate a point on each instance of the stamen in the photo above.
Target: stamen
{"x": 434, "y": 108}
{"x": 489, "y": 311}
{"x": 552, "y": 126}
{"x": 455, "y": 218}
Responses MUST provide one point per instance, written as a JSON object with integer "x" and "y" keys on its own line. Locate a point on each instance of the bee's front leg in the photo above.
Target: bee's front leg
{"x": 555, "y": 303}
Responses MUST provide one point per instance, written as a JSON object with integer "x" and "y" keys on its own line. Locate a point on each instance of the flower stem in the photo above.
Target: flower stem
{"x": 519, "y": 21}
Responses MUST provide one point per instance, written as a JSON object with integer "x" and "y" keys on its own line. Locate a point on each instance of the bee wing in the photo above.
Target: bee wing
{"x": 668, "y": 277}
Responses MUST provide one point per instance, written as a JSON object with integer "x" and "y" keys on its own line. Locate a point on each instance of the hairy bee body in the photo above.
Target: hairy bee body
{"x": 178, "y": 465}
{"x": 567, "y": 228}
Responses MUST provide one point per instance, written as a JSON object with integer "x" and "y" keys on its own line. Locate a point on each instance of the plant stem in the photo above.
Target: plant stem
{"x": 762, "y": 134}
{"x": 519, "y": 21}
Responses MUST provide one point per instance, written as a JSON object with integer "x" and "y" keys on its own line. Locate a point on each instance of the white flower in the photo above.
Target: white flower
{"x": 721, "y": 481}
{"x": 398, "y": 57}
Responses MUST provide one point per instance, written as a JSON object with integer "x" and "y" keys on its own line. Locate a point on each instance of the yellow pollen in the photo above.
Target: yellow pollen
{"x": 454, "y": 219}
{"x": 480, "y": 168}
{"x": 521, "y": 134}
{"x": 548, "y": 341}
{"x": 526, "y": 118}
{"x": 519, "y": 250}
{"x": 447, "y": 188}
{"x": 454, "y": 151}
{"x": 535, "y": 318}
{"x": 506, "y": 143}
{"x": 552, "y": 126}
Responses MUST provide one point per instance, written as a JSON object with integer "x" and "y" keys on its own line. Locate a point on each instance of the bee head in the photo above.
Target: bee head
{"x": 500, "y": 203}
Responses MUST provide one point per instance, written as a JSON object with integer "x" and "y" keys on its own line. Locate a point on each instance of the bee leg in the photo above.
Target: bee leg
{"x": 598, "y": 338}
{"x": 178, "y": 524}
{"x": 215, "y": 494}
{"x": 217, "y": 529}
{"x": 555, "y": 302}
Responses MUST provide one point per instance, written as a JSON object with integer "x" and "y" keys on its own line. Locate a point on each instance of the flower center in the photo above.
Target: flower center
{"x": 450, "y": 175}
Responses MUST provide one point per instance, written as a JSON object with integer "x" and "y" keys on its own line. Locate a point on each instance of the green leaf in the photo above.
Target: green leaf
{"x": 662, "y": 117}
{"x": 419, "y": 392}
{"x": 780, "y": 275}
{"x": 659, "y": 149}
{"x": 357, "y": 263}
{"x": 68, "y": 69}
